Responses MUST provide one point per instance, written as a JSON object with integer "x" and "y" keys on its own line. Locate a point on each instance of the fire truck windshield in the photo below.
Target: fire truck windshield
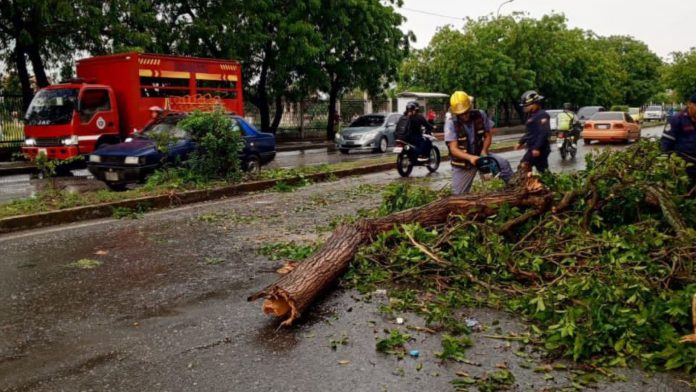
{"x": 52, "y": 107}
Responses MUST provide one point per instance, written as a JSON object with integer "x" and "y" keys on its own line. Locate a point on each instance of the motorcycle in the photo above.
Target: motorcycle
{"x": 407, "y": 157}
{"x": 567, "y": 143}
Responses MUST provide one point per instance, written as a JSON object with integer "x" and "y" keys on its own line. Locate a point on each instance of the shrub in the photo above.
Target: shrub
{"x": 219, "y": 142}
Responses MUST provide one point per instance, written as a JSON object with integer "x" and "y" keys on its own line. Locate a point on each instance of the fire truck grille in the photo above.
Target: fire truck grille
{"x": 48, "y": 142}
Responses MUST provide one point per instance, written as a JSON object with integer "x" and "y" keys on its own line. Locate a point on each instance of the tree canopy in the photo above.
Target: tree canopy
{"x": 680, "y": 74}
{"x": 496, "y": 59}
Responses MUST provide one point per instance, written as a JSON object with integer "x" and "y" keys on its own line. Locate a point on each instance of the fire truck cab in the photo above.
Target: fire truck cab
{"x": 112, "y": 98}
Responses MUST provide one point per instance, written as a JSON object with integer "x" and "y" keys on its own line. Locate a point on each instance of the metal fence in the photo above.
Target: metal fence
{"x": 308, "y": 119}
{"x": 11, "y": 127}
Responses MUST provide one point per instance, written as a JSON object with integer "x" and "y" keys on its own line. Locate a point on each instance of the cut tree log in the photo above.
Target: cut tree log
{"x": 291, "y": 294}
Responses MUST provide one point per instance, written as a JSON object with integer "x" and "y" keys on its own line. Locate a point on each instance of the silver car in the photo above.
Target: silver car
{"x": 369, "y": 132}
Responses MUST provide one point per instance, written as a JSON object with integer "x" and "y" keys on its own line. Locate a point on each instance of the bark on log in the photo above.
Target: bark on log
{"x": 291, "y": 294}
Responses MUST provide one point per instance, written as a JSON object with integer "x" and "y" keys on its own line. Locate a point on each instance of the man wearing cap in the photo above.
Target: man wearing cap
{"x": 679, "y": 136}
{"x": 468, "y": 137}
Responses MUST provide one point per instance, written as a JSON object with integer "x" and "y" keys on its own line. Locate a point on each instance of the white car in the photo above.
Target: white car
{"x": 654, "y": 113}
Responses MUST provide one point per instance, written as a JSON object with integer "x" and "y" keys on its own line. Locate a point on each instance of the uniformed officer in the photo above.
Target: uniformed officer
{"x": 679, "y": 136}
{"x": 537, "y": 137}
{"x": 468, "y": 137}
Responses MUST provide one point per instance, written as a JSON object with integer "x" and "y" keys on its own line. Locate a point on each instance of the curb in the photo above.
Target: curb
{"x": 19, "y": 169}
{"x": 105, "y": 210}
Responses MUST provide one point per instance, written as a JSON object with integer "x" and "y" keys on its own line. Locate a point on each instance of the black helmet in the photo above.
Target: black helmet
{"x": 530, "y": 97}
{"x": 412, "y": 106}
{"x": 567, "y": 106}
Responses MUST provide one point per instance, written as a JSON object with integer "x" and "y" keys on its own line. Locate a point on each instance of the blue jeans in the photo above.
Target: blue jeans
{"x": 422, "y": 145}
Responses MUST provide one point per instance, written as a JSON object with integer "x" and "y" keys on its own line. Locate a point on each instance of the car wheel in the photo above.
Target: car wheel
{"x": 116, "y": 187}
{"x": 253, "y": 165}
{"x": 382, "y": 146}
{"x": 343, "y": 150}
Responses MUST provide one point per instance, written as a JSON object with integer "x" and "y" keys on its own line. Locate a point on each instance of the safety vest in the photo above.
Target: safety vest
{"x": 564, "y": 121}
{"x": 477, "y": 119}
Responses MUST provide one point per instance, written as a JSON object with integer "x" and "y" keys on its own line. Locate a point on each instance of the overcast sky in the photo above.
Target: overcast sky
{"x": 664, "y": 25}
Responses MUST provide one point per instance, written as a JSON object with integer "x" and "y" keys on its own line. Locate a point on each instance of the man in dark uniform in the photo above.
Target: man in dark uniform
{"x": 537, "y": 137}
{"x": 679, "y": 136}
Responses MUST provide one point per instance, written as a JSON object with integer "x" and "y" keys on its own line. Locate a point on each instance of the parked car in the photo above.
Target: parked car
{"x": 586, "y": 112}
{"x": 369, "y": 132}
{"x": 636, "y": 114}
{"x": 611, "y": 127}
{"x": 136, "y": 158}
{"x": 654, "y": 113}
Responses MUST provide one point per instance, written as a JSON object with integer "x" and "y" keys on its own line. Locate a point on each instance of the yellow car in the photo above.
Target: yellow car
{"x": 636, "y": 114}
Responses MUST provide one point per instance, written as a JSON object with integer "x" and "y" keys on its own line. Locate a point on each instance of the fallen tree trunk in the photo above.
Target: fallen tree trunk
{"x": 290, "y": 295}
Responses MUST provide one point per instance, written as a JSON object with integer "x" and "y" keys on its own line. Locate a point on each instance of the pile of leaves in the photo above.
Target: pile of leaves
{"x": 606, "y": 277}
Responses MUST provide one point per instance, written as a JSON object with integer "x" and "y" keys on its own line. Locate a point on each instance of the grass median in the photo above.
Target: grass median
{"x": 162, "y": 183}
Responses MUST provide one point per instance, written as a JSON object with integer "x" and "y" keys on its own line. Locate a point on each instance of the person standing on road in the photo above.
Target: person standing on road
{"x": 468, "y": 137}
{"x": 537, "y": 137}
{"x": 679, "y": 136}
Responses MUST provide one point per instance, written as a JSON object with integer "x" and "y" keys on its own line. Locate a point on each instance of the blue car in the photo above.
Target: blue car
{"x": 136, "y": 158}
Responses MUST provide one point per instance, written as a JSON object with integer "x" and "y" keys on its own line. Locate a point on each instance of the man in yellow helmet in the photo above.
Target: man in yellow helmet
{"x": 468, "y": 137}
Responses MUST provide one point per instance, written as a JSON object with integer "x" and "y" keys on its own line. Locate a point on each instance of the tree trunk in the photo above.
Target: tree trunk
{"x": 21, "y": 64}
{"x": 333, "y": 115}
{"x": 278, "y": 114}
{"x": 290, "y": 295}
{"x": 38, "y": 65}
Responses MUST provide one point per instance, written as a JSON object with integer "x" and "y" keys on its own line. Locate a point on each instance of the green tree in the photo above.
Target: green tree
{"x": 362, "y": 46}
{"x": 32, "y": 31}
{"x": 680, "y": 76}
{"x": 497, "y": 59}
{"x": 641, "y": 69}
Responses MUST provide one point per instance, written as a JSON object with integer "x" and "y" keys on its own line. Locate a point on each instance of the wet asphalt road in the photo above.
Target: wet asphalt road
{"x": 166, "y": 310}
{"x": 21, "y": 186}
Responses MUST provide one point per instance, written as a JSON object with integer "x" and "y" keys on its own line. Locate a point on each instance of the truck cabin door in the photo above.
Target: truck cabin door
{"x": 97, "y": 117}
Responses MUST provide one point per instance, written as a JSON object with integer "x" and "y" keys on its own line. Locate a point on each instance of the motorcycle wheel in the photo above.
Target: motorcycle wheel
{"x": 564, "y": 152}
{"x": 403, "y": 164}
{"x": 573, "y": 151}
{"x": 434, "y": 161}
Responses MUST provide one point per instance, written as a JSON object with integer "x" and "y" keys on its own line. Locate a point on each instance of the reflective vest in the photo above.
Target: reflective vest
{"x": 564, "y": 121}
{"x": 477, "y": 121}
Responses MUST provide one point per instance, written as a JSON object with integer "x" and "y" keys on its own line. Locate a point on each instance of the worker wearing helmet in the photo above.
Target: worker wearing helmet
{"x": 537, "y": 137}
{"x": 468, "y": 137}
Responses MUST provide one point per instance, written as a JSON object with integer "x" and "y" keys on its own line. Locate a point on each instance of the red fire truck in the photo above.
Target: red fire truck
{"x": 113, "y": 97}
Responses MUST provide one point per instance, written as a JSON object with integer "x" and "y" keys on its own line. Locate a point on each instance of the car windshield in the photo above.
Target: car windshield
{"x": 587, "y": 112}
{"x": 368, "y": 121}
{"x": 52, "y": 107}
{"x": 167, "y": 126}
{"x": 608, "y": 116}
{"x": 654, "y": 108}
